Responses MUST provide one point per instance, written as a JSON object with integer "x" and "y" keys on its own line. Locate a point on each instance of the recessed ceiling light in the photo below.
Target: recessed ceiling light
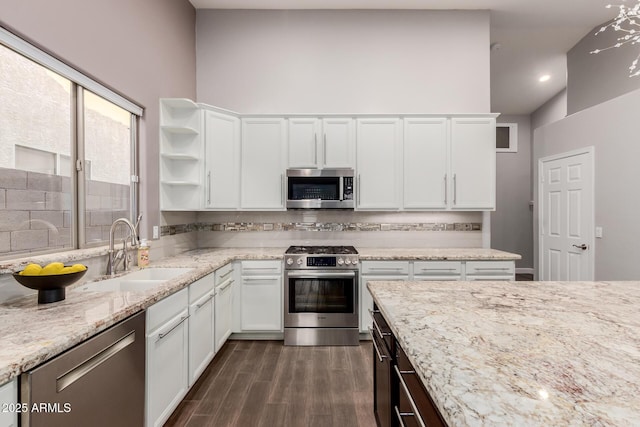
{"x": 544, "y": 78}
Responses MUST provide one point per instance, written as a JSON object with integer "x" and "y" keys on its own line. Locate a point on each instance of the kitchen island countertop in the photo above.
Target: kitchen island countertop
{"x": 521, "y": 353}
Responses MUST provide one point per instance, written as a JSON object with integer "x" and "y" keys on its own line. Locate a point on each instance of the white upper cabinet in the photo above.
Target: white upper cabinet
{"x": 303, "y": 142}
{"x": 473, "y": 163}
{"x": 181, "y": 155}
{"x": 426, "y": 145}
{"x": 264, "y": 160}
{"x": 222, "y": 146}
{"x": 338, "y": 143}
{"x": 326, "y": 143}
{"x": 379, "y": 157}
{"x": 211, "y": 158}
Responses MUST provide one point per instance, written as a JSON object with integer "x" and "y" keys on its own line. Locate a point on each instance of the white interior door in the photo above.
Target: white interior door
{"x": 566, "y": 215}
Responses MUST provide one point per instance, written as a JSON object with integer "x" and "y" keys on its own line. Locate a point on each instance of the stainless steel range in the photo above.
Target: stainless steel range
{"x": 321, "y": 295}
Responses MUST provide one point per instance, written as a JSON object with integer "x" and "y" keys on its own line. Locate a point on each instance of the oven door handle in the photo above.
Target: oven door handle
{"x": 310, "y": 274}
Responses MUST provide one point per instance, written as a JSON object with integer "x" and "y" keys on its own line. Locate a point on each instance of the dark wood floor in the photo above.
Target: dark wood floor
{"x": 263, "y": 383}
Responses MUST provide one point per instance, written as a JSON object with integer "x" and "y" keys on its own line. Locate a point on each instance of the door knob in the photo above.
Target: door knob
{"x": 582, "y": 246}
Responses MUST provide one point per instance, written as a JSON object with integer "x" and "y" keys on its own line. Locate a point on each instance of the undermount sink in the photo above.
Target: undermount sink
{"x": 140, "y": 280}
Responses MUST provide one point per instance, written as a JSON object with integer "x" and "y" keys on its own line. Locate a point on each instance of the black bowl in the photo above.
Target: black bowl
{"x": 50, "y": 288}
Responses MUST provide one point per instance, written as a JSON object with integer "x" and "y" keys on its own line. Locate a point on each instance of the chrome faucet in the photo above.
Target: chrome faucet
{"x": 121, "y": 255}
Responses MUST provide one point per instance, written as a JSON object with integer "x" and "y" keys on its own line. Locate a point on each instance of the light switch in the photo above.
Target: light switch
{"x": 156, "y": 232}
{"x": 599, "y": 232}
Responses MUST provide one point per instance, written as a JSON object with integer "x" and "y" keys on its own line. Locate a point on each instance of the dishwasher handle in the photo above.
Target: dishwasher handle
{"x": 90, "y": 364}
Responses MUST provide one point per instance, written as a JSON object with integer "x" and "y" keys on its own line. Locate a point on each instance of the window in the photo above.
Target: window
{"x": 67, "y": 154}
{"x": 507, "y": 137}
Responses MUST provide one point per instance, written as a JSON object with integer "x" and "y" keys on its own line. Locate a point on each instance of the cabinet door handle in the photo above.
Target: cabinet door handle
{"x": 492, "y": 268}
{"x": 414, "y": 408}
{"x": 359, "y": 187}
{"x": 315, "y": 149}
{"x": 445, "y": 188}
{"x": 324, "y": 150}
{"x": 226, "y": 274}
{"x": 381, "y": 357}
{"x": 282, "y": 189}
{"x": 209, "y": 187}
{"x": 455, "y": 189}
{"x": 399, "y": 415}
{"x": 164, "y": 334}
{"x": 203, "y": 303}
{"x": 222, "y": 288}
{"x": 386, "y": 268}
{"x": 377, "y": 328}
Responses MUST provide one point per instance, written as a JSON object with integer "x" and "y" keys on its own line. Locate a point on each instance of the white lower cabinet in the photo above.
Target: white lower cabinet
{"x": 425, "y": 271}
{"x": 377, "y": 270}
{"x": 490, "y": 270}
{"x": 167, "y": 365}
{"x": 437, "y": 270}
{"x": 261, "y": 296}
{"x": 225, "y": 287}
{"x": 9, "y": 401}
{"x": 201, "y": 326}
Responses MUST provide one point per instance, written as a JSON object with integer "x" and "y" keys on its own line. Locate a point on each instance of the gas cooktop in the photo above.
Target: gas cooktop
{"x": 316, "y": 257}
{"x": 322, "y": 250}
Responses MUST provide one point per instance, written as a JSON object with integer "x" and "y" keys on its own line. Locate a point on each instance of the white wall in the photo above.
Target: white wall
{"x": 551, "y": 111}
{"x": 512, "y": 221}
{"x": 346, "y": 61}
{"x": 595, "y": 78}
{"x": 612, "y": 128}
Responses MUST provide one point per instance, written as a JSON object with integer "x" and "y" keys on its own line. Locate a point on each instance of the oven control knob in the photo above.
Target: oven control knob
{"x": 340, "y": 261}
{"x": 354, "y": 262}
{"x": 289, "y": 261}
{"x": 299, "y": 261}
{"x": 347, "y": 261}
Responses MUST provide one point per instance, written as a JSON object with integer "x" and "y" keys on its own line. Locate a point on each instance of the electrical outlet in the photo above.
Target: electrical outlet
{"x": 599, "y": 232}
{"x": 156, "y": 232}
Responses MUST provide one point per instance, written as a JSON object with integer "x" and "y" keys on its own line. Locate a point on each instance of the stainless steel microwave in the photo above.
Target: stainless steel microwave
{"x": 320, "y": 188}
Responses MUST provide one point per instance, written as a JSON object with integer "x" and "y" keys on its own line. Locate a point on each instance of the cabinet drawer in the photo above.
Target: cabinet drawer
{"x": 166, "y": 309}
{"x": 200, "y": 287}
{"x": 437, "y": 268}
{"x": 483, "y": 268}
{"x": 413, "y": 400}
{"x": 224, "y": 273}
{"x": 381, "y": 329}
{"x": 385, "y": 268}
{"x": 261, "y": 268}
{"x": 8, "y": 399}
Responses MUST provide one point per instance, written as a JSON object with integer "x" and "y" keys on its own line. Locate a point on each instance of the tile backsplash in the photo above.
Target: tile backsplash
{"x": 365, "y": 229}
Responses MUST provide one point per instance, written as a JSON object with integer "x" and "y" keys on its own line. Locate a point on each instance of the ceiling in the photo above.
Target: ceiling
{"x": 533, "y": 38}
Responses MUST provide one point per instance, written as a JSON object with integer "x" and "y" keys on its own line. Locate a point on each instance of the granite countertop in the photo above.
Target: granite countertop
{"x": 521, "y": 353}
{"x": 31, "y": 333}
{"x": 435, "y": 254}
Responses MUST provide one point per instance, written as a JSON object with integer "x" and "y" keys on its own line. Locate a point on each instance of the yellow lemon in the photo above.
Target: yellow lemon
{"x": 31, "y": 270}
{"x": 78, "y": 267}
{"x": 67, "y": 270}
{"x": 52, "y": 268}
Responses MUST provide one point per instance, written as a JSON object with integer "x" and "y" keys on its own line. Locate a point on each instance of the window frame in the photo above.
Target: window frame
{"x": 513, "y": 138}
{"x": 79, "y": 83}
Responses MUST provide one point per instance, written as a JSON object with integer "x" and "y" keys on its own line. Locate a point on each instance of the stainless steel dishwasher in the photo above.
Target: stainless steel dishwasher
{"x": 99, "y": 382}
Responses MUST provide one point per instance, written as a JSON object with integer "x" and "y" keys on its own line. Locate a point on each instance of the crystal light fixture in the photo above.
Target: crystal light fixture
{"x": 627, "y": 21}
